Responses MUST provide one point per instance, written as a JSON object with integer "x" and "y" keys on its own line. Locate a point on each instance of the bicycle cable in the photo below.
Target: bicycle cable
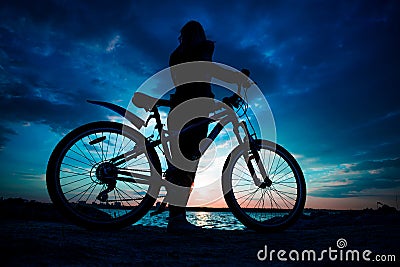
{"x": 245, "y": 108}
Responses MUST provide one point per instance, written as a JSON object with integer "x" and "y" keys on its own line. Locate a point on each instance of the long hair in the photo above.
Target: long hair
{"x": 192, "y": 33}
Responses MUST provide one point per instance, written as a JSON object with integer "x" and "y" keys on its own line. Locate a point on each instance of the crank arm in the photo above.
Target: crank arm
{"x": 134, "y": 153}
{"x": 125, "y": 157}
{"x": 134, "y": 177}
{"x": 132, "y": 180}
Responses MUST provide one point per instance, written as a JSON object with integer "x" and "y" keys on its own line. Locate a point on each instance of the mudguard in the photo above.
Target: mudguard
{"x": 135, "y": 120}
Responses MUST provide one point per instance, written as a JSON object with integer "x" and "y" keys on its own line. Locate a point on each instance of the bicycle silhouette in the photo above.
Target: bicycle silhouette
{"x": 106, "y": 175}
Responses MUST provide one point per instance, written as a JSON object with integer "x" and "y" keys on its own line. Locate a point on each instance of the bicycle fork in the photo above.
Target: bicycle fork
{"x": 251, "y": 143}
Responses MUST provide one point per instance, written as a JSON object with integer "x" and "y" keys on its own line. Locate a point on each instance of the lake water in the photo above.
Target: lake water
{"x": 215, "y": 220}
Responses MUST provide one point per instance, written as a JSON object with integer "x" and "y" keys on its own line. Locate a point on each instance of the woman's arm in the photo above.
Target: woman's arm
{"x": 229, "y": 76}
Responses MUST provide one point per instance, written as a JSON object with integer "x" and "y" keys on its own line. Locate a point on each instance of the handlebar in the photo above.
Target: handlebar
{"x": 232, "y": 101}
{"x": 147, "y": 102}
{"x": 235, "y": 100}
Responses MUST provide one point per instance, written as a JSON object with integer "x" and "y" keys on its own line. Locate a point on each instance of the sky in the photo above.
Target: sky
{"x": 330, "y": 71}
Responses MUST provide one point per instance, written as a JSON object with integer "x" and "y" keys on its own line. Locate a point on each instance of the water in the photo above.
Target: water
{"x": 223, "y": 220}
{"x": 209, "y": 220}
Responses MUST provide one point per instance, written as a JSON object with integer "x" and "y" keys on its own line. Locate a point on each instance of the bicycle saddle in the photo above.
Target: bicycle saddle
{"x": 147, "y": 102}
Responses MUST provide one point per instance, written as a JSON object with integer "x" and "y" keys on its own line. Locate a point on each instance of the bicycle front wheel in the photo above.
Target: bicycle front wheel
{"x": 92, "y": 182}
{"x": 260, "y": 207}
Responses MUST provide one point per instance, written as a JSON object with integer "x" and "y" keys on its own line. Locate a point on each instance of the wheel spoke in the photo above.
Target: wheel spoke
{"x": 82, "y": 154}
{"x": 94, "y": 146}
{"x": 82, "y": 168}
{"x": 84, "y": 178}
{"x": 273, "y": 205}
{"x": 87, "y": 149}
{"x": 74, "y": 166}
{"x": 78, "y": 161}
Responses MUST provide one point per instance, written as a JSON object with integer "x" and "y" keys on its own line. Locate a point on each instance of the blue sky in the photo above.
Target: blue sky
{"x": 330, "y": 71}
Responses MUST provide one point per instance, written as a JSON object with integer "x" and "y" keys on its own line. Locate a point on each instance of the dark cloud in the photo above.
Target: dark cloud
{"x": 365, "y": 178}
{"x": 4, "y": 133}
{"x": 44, "y": 83}
{"x": 354, "y": 88}
{"x": 79, "y": 19}
{"x": 60, "y": 117}
{"x": 376, "y": 165}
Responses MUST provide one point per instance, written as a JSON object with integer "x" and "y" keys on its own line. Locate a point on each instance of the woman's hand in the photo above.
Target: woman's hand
{"x": 242, "y": 80}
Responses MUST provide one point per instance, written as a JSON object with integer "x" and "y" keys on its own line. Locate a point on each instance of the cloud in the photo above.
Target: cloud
{"x": 49, "y": 81}
{"x": 27, "y": 95}
{"x": 329, "y": 70}
{"x": 4, "y": 132}
{"x": 357, "y": 179}
{"x": 376, "y": 164}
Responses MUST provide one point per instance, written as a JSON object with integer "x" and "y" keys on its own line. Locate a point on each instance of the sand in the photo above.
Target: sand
{"x": 36, "y": 235}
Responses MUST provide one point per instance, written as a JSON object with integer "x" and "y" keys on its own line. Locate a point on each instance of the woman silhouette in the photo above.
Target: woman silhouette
{"x": 193, "y": 46}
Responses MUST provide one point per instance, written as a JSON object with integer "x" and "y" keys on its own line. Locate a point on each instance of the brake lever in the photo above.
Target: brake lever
{"x": 247, "y": 73}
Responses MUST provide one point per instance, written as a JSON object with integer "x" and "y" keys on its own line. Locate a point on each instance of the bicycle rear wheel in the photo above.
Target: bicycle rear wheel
{"x": 264, "y": 208}
{"x": 93, "y": 190}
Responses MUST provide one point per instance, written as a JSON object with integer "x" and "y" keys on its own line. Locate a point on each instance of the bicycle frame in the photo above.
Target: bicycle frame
{"x": 223, "y": 115}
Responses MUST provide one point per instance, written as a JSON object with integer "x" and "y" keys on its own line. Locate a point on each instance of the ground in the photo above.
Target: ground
{"x": 39, "y": 237}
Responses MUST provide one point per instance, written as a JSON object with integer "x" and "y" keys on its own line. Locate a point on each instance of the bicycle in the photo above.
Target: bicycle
{"x": 105, "y": 175}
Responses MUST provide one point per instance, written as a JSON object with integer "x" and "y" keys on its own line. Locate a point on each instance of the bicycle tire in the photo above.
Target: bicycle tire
{"x": 81, "y": 143}
{"x": 270, "y": 217}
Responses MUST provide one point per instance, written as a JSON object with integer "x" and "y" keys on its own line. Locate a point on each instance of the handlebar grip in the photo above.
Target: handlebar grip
{"x": 232, "y": 101}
